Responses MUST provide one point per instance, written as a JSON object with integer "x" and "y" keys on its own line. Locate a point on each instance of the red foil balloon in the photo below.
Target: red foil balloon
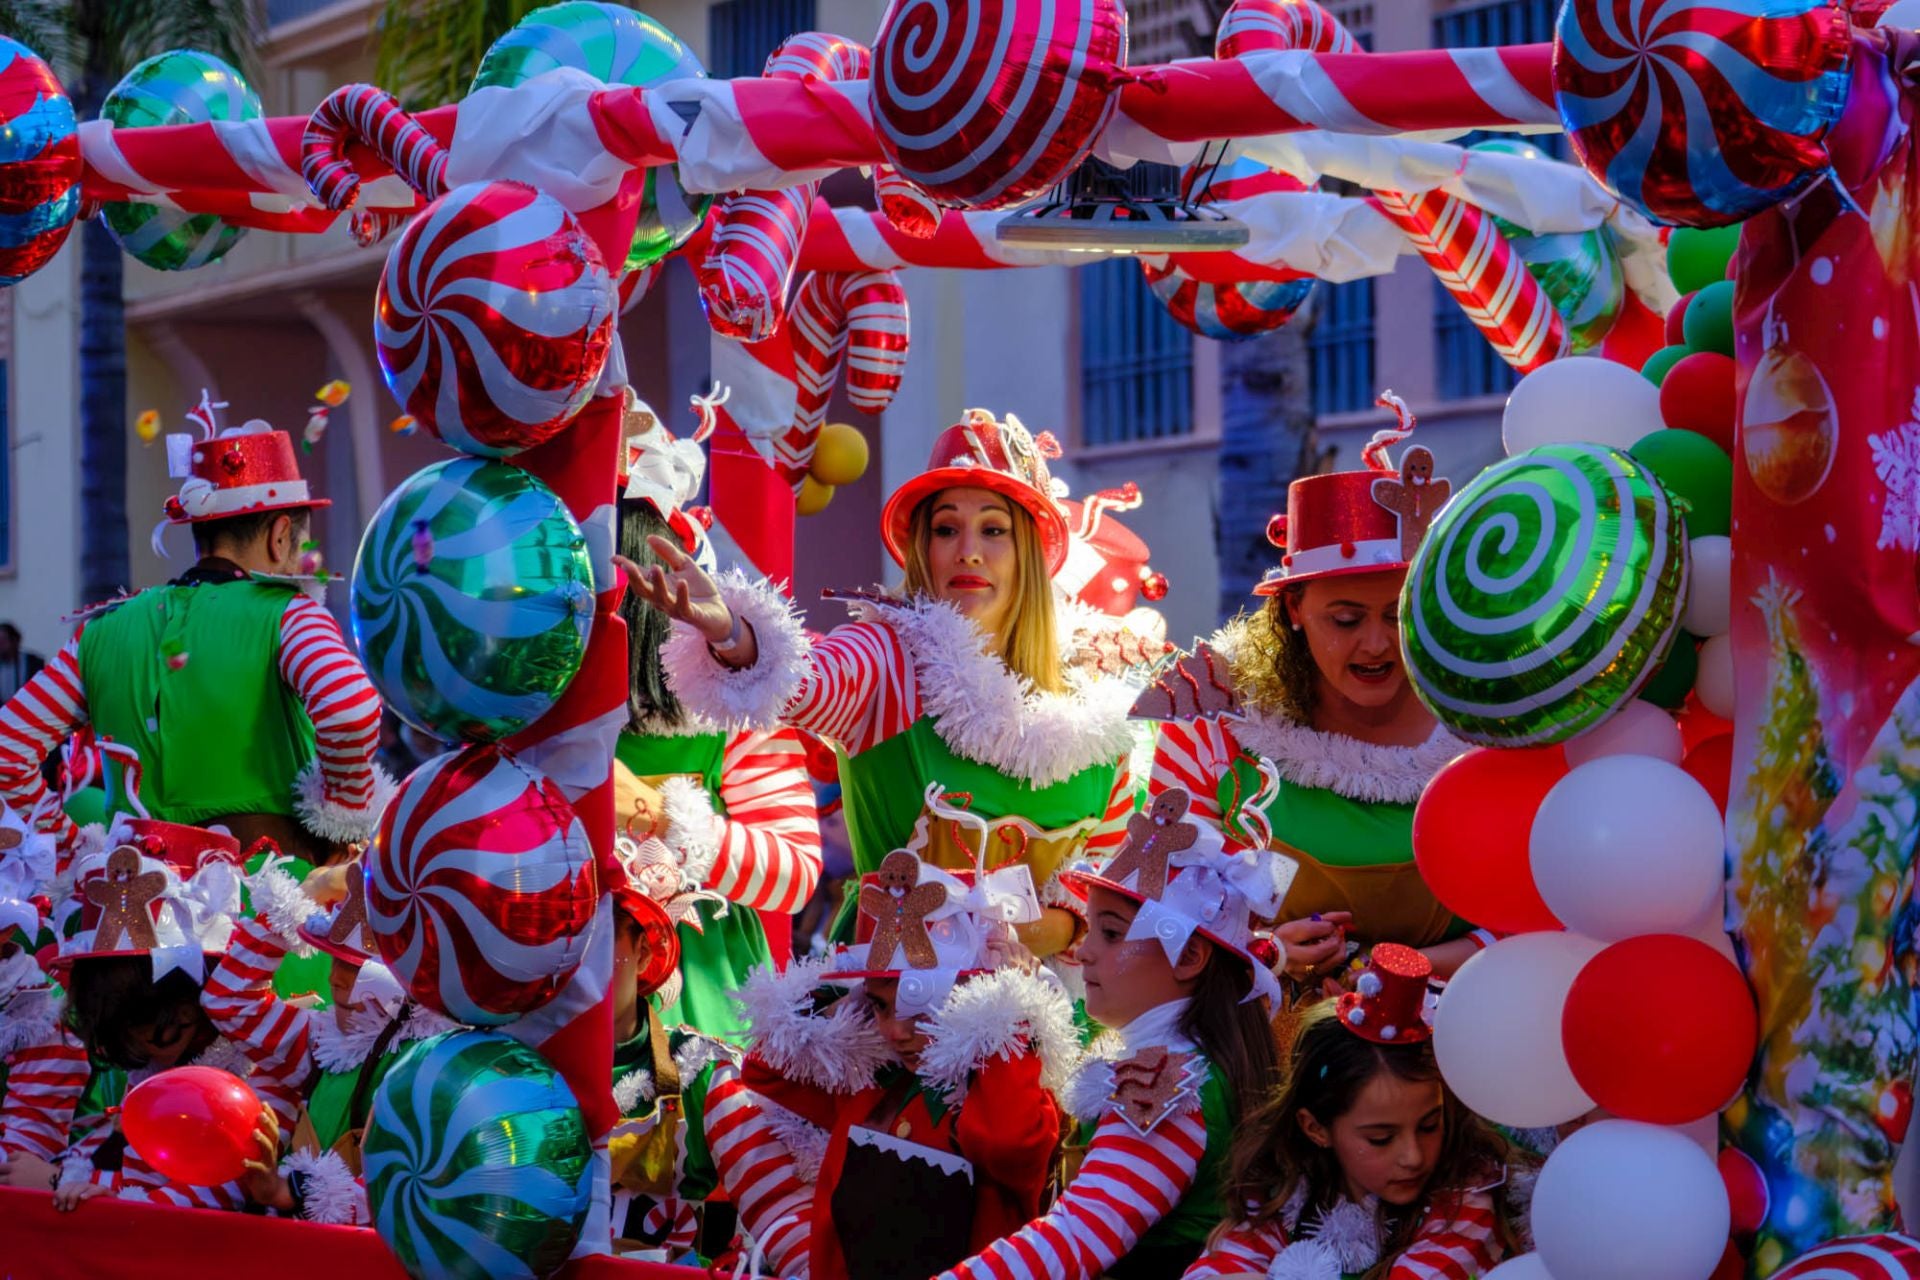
{"x": 1659, "y": 1028}
{"x": 480, "y": 886}
{"x": 987, "y": 104}
{"x": 39, "y": 163}
{"x": 1255, "y": 26}
{"x": 1471, "y": 834}
{"x": 494, "y": 318}
{"x": 193, "y": 1124}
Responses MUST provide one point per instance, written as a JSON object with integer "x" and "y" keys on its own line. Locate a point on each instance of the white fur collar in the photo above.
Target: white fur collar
{"x": 1346, "y": 766}
{"x": 686, "y": 724}
{"x": 691, "y": 1058}
{"x": 1090, "y": 1089}
{"x": 337, "y": 1050}
{"x": 1000, "y": 1015}
{"x": 837, "y": 1049}
{"x": 987, "y": 714}
{"x": 30, "y": 1019}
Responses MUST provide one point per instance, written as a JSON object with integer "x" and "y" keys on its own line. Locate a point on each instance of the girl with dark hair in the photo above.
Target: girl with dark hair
{"x": 1364, "y": 1163}
{"x": 1173, "y": 965}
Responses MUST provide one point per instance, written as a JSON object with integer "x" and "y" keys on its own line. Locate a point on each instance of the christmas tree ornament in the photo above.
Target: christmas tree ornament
{"x": 477, "y": 1160}
{"x": 193, "y": 1124}
{"x": 478, "y": 639}
{"x": 1543, "y": 595}
{"x": 494, "y": 318}
{"x": 616, "y": 46}
{"x": 1701, "y": 112}
{"x": 1789, "y": 429}
{"x": 1496, "y": 1034}
{"x": 480, "y": 886}
{"x": 180, "y": 86}
{"x": 39, "y": 162}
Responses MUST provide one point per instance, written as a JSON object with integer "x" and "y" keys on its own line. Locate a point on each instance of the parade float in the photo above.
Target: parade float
{"x": 1678, "y": 622}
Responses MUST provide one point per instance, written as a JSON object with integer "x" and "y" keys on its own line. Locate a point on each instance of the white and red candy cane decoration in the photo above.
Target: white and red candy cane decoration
{"x": 755, "y": 249}
{"x": 855, "y": 319}
{"x": 1253, "y": 26}
{"x": 364, "y": 113}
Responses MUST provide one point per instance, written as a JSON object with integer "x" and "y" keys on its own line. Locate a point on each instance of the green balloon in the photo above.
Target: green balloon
{"x": 616, "y": 46}
{"x": 1698, "y": 256}
{"x": 1542, "y": 595}
{"x": 177, "y": 87}
{"x": 1661, "y": 362}
{"x": 1697, "y": 472}
{"x": 1670, "y": 684}
{"x": 1708, "y": 324}
{"x": 471, "y": 601}
{"x": 477, "y": 1160}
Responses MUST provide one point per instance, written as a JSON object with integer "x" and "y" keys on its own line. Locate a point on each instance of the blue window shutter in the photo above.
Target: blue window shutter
{"x": 6, "y": 466}
{"x": 1343, "y": 349}
{"x": 741, "y": 33}
{"x": 1136, "y": 361}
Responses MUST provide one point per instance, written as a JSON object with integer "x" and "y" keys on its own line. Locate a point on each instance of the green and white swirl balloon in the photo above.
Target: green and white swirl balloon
{"x": 472, "y": 599}
{"x": 1543, "y": 595}
{"x": 181, "y": 86}
{"x": 477, "y": 1160}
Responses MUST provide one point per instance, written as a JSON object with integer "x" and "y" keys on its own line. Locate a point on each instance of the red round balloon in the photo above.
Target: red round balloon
{"x": 1676, "y": 334}
{"x": 1698, "y": 395}
{"x": 1747, "y": 1192}
{"x": 1710, "y": 762}
{"x": 195, "y": 1125}
{"x": 1697, "y": 724}
{"x": 1471, "y": 832}
{"x": 1636, "y": 334}
{"x": 1659, "y": 1028}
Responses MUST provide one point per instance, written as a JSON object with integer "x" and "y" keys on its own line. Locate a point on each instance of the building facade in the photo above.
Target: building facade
{"x": 1087, "y": 353}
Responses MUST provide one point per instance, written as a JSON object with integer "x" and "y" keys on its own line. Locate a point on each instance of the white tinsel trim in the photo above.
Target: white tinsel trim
{"x": 1304, "y": 1260}
{"x": 751, "y": 697}
{"x": 332, "y": 1193}
{"x": 632, "y": 1089}
{"x": 686, "y": 724}
{"x": 804, "y": 1140}
{"x": 1090, "y": 1087}
{"x": 224, "y": 1055}
{"x": 987, "y": 714}
{"x": 692, "y": 829}
{"x": 1351, "y": 1232}
{"x": 30, "y": 1020}
{"x": 999, "y": 1015}
{"x": 1345, "y": 766}
{"x": 328, "y": 818}
{"x": 75, "y": 1166}
{"x": 1519, "y": 1195}
{"x": 337, "y": 1050}
{"x": 838, "y": 1051}
{"x": 278, "y": 898}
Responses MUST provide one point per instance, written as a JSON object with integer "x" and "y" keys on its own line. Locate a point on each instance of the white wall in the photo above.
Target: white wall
{"x": 44, "y": 412}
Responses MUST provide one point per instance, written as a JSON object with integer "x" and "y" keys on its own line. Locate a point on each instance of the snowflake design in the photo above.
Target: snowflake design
{"x": 1896, "y": 460}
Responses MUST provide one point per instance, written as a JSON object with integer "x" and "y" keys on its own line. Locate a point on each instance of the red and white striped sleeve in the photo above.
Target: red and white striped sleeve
{"x": 1112, "y": 831}
{"x": 1456, "y": 1242}
{"x": 276, "y": 1036}
{"x": 1126, "y": 1184}
{"x": 139, "y": 1180}
{"x": 44, "y": 1083}
{"x": 340, "y": 795}
{"x": 758, "y": 1171}
{"x": 1193, "y": 754}
{"x": 859, "y": 688}
{"x": 769, "y": 857}
{"x": 1246, "y": 1249}
{"x": 33, "y": 724}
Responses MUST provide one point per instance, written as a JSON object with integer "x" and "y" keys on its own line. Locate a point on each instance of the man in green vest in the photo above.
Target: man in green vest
{"x": 232, "y": 684}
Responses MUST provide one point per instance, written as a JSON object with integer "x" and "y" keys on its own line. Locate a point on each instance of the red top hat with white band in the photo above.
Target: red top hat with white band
{"x": 239, "y": 471}
{"x": 982, "y": 452}
{"x": 1388, "y": 1002}
{"x": 1106, "y": 567}
{"x": 1350, "y": 522}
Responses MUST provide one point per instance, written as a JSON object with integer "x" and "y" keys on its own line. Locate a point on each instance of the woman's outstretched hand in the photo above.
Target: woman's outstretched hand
{"x": 680, "y": 589}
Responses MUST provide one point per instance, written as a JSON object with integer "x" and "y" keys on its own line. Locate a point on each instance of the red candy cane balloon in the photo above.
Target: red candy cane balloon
{"x": 987, "y": 103}
{"x": 480, "y": 886}
{"x": 858, "y": 315}
{"x": 906, "y": 207}
{"x": 1251, "y": 26}
{"x": 755, "y": 248}
{"x": 363, "y": 113}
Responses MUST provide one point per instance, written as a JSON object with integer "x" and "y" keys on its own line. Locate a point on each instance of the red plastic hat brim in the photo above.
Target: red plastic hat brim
{"x": 896, "y": 520}
{"x": 311, "y": 504}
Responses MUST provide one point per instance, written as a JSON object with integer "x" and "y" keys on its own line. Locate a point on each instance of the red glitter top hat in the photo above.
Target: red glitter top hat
{"x": 1388, "y": 1003}
{"x": 239, "y": 471}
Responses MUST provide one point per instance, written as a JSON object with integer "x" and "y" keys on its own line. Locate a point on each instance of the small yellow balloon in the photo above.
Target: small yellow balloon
{"x": 813, "y": 497}
{"x": 839, "y": 454}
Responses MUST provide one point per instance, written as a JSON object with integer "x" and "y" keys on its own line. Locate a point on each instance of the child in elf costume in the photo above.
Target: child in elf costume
{"x": 1171, "y": 962}
{"x": 915, "y": 1147}
{"x": 43, "y": 1067}
{"x": 1365, "y": 1163}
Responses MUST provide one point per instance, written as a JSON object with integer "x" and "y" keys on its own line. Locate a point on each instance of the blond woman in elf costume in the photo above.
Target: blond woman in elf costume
{"x": 961, "y": 680}
{"x": 734, "y": 808}
{"x": 1313, "y": 683}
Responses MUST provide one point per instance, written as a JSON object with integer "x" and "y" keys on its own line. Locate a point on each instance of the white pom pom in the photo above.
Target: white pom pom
{"x": 1351, "y": 1233}
{"x": 1368, "y": 985}
{"x": 1305, "y": 1260}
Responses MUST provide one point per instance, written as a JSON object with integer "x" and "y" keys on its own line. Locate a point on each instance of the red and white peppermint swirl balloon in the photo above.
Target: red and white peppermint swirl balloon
{"x": 1882, "y": 1257}
{"x": 494, "y": 318}
{"x": 480, "y": 886}
{"x": 906, "y": 207}
{"x": 1255, "y": 26}
{"x": 987, "y": 104}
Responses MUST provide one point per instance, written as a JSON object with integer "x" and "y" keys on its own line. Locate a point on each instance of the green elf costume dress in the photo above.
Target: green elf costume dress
{"x": 917, "y": 708}
{"x": 739, "y": 814}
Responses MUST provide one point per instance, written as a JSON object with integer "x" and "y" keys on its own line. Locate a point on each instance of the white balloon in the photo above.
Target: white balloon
{"x": 1496, "y": 1033}
{"x": 1709, "y": 609}
{"x": 1637, "y": 729}
{"x": 1626, "y": 845}
{"x": 1620, "y": 1198}
{"x": 1714, "y": 684}
{"x": 1580, "y": 399}
{"x": 1903, "y": 14}
{"x": 1525, "y": 1267}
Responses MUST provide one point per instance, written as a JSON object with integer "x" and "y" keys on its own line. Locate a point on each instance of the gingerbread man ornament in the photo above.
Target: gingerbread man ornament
{"x": 1152, "y": 838}
{"x": 123, "y": 895}
{"x": 1416, "y": 497}
{"x": 899, "y": 905}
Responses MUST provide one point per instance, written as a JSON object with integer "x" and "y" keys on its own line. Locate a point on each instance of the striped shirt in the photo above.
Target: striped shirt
{"x": 44, "y": 1084}
{"x": 769, "y": 855}
{"x": 758, "y": 1171}
{"x": 1455, "y": 1242}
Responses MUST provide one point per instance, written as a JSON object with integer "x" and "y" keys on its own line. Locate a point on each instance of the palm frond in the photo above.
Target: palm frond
{"x": 228, "y": 29}
{"x": 427, "y": 50}
{"x": 41, "y": 25}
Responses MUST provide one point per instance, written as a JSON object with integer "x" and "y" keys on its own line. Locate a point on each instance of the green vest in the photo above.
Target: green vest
{"x": 1340, "y": 831}
{"x": 714, "y": 962}
{"x": 218, "y": 733}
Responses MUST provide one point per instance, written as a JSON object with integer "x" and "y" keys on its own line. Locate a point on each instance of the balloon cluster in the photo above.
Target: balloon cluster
{"x": 839, "y": 457}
